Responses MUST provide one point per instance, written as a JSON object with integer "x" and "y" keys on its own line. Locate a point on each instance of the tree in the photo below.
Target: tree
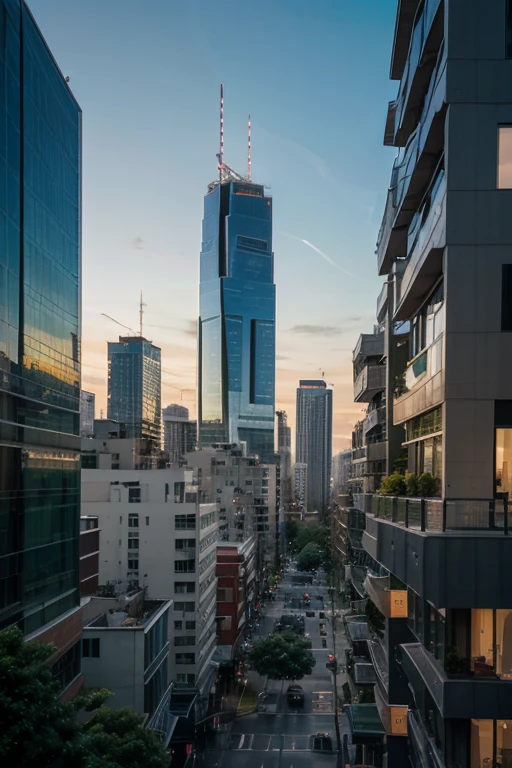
{"x": 285, "y": 656}
{"x": 310, "y": 558}
{"x": 116, "y": 738}
{"x": 291, "y": 531}
{"x": 38, "y": 731}
{"x": 312, "y": 534}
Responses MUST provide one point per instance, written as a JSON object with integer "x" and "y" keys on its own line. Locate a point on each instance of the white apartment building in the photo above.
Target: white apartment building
{"x": 157, "y": 533}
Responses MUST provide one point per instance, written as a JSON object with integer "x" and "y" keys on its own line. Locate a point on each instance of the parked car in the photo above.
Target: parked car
{"x": 295, "y": 696}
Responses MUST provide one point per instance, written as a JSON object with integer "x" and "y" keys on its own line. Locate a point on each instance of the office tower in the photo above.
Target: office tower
{"x": 341, "y": 469}
{"x": 40, "y": 254}
{"x": 179, "y": 432}
{"x": 444, "y": 249}
{"x": 237, "y": 316}
{"x": 284, "y": 449}
{"x": 87, "y": 401}
{"x": 300, "y": 475}
{"x": 134, "y": 386}
{"x": 313, "y": 445}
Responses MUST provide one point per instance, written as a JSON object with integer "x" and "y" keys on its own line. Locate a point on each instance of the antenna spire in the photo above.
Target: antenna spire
{"x": 221, "y": 147}
{"x": 249, "y": 149}
{"x": 141, "y": 313}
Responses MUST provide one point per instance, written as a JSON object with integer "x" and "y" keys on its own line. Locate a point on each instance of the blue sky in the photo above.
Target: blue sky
{"x": 314, "y": 77}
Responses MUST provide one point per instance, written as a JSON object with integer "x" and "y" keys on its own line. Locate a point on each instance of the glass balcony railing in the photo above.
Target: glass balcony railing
{"x": 427, "y": 363}
{"x": 438, "y": 515}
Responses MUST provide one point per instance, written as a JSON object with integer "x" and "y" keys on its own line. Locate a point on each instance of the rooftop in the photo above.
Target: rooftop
{"x": 127, "y": 611}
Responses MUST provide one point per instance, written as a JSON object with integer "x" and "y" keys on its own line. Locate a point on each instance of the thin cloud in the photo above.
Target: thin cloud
{"x": 353, "y": 319}
{"x": 320, "y": 253}
{"x": 137, "y": 243}
{"x": 282, "y": 357}
{"x": 315, "y": 330}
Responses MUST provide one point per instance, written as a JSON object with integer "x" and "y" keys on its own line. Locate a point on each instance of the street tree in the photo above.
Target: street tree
{"x": 284, "y": 656}
{"x": 312, "y": 534}
{"x": 39, "y": 731}
{"x": 310, "y": 558}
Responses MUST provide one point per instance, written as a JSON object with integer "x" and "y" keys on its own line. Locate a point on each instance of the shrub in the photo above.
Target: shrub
{"x": 393, "y": 485}
{"x": 411, "y": 484}
{"x": 427, "y": 485}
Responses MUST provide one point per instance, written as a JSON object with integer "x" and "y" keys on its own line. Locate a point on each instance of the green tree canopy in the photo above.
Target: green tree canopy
{"x": 284, "y": 656}
{"x": 309, "y": 534}
{"x": 38, "y": 731}
{"x": 310, "y": 558}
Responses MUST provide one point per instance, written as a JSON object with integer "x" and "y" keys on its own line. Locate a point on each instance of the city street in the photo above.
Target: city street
{"x": 280, "y": 737}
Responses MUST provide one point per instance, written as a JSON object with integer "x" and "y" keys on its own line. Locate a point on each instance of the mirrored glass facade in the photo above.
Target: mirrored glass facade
{"x": 135, "y": 385}
{"x": 40, "y": 209}
{"x": 237, "y": 319}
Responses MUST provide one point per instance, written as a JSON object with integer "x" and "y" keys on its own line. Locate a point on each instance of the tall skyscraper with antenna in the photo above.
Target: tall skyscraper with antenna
{"x": 237, "y": 311}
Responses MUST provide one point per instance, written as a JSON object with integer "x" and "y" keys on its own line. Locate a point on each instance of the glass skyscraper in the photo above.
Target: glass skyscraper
{"x": 134, "y": 386}
{"x": 40, "y": 255}
{"x": 313, "y": 445}
{"x": 237, "y": 318}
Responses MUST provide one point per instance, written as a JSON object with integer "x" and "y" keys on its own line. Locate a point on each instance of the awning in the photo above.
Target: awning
{"x": 365, "y": 723}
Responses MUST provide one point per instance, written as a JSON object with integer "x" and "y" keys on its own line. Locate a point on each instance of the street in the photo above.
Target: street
{"x": 280, "y": 736}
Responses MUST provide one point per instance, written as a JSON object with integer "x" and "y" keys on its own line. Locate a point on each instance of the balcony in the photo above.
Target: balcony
{"x": 424, "y": 752}
{"x": 373, "y": 419}
{"x": 370, "y": 381}
{"x": 406, "y": 15}
{"x": 463, "y": 697}
{"x": 426, "y": 240}
{"x": 377, "y": 451}
{"x": 426, "y": 39}
{"x": 392, "y": 603}
{"x": 452, "y": 552}
{"x": 411, "y": 175}
{"x": 421, "y": 386}
{"x": 382, "y": 303}
{"x": 368, "y": 345}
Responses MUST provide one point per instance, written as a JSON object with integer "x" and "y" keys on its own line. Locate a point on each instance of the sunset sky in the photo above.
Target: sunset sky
{"x": 314, "y": 77}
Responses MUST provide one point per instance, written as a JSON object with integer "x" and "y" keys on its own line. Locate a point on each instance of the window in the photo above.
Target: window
{"x": 225, "y": 595}
{"x": 185, "y": 679}
{"x": 185, "y": 544}
{"x": 147, "y": 520}
{"x": 225, "y": 623}
{"x": 184, "y": 566}
{"x": 156, "y": 639}
{"x": 134, "y": 495}
{"x": 184, "y": 587}
{"x": 188, "y": 607}
{"x": 506, "y": 297}
{"x": 133, "y": 543}
{"x": 185, "y": 522}
{"x": 179, "y": 493}
{"x": 67, "y": 667}
{"x": 133, "y": 565}
{"x": 133, "y": 520}
{"x": 178, "y": 625}
{"x": 190, "y": 625}
{"x": 185, "y": 658}
{"x": 91, "y": 648}
{"x": 190, "y": 640}
{"x": 505, "y": 157}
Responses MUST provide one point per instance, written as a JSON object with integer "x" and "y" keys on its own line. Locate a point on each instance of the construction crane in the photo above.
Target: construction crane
{"x": 103, "y": 314}
{"x": 127, "y": 327}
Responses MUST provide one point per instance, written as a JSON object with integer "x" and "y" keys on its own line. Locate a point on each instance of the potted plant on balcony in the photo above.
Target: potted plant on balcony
{"x": 392, "y": 485}
{"x": 427, "y": 485}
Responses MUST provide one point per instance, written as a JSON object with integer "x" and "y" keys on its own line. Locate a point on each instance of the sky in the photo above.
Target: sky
{"x": 314, "y": 78}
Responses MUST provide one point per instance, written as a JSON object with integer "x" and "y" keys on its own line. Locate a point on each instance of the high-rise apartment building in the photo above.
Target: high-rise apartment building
{"x": 180, "y": 434}
{"x": 40, "y": 254}
{"x": 87, "y": 402}
{"x": 284, "y": 450}
{"x": 134, "y": 386}
{"x": 313, "y": 445}
{"x": 445, "y": 249}
{"x": 237, "y": 316}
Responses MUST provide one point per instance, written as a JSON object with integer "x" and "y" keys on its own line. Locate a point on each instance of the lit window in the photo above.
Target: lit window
{"x": 505, "y": 157}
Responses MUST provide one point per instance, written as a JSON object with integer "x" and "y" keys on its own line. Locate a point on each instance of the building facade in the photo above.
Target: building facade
{"x": 180, "y": 434}
{"x": 341, "y": 470}
{"x": 284, "y": 450}
{"x": 134, "y": 387}
{"x": 40, "y": 265}
{"x": 313, "y": 445}
{"x": 444, "y": 247}
{"x": 237, "y": 318}
{"x": 87, "y": 403}
{"x": 158, "y": 534}
{"x": 236, "y": 575}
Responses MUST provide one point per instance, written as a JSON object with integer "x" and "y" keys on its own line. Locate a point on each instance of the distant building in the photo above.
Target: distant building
{"x": 236, "y": 574}
{"x": 134, "y": 386}
{"x": 284, "y": 449}
{"x": 180, "y": 434}
{"x": 300, "y": 472}
{"x": 341, "y": 469}
{"x": 87, "y": 400}
{"x": 313, "y": 445}
{"x": 89, "y": 555}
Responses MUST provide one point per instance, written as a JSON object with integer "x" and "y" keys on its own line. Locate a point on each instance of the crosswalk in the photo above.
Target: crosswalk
{"x": 261, "y": 742}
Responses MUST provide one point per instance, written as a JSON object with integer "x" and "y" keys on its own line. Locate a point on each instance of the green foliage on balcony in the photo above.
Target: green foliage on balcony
{"x": 415, "y": 486}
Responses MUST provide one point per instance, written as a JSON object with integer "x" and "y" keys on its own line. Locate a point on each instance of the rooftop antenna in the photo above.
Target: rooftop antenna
{"x": 221, "y": 147}
{"x": 141, "y": 313}
{"x": 249, "y": 149}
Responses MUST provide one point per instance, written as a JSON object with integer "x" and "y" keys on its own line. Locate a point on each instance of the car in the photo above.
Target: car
{"x": 295, "y": 696}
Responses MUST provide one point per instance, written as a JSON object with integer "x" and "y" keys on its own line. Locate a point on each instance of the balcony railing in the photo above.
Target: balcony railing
{"x": 424, "y": 752}
{"x": 373, "y": 419}
{"x": 438, "y": 515}
{"x": 370, "y": 381}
